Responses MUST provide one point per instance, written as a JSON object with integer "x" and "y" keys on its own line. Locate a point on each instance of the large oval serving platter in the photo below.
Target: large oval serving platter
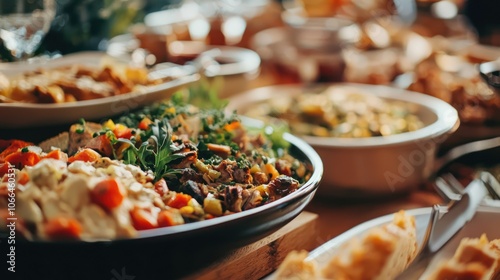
{"x": 167, "y": 253}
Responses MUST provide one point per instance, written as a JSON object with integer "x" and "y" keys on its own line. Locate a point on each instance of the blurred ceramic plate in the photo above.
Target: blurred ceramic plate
{"x": 481, "y": 223}
{"x": 24, "y": 115}
{"x": 367, "y": 167}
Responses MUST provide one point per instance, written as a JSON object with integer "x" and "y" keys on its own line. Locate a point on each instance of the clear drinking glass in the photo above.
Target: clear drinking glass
{"x": 23, "y": 24}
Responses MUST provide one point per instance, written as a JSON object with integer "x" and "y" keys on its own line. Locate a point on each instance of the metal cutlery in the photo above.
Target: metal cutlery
{"x": 491, "y": 184}
{"x": 444, "y": 223}
{"x": 465, "y": 149}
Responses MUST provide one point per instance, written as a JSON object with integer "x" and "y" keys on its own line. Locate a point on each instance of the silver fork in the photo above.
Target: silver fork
{"x": 491, "y": 184}
{"x": 448, "y": 187}
{"x": 451, "y": 189}
{"x": 444, "y": 223}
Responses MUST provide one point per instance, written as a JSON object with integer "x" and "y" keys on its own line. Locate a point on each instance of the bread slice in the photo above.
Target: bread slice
{"x": 494, "y": 246}
{"x": 474, "y": 259}
{"x": 381, "y": 254}
{"x": 296, "y": 267}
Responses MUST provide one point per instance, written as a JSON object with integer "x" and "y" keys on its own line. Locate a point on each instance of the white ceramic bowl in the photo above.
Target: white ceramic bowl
{"x": 373, "y": 166}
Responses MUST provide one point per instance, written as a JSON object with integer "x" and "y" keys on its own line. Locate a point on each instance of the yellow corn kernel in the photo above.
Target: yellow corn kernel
{"x": 212, "y": 206}
{"x": 270, "y": 169}
{"x": 187, "y": 210}
{"x": 255, "y": 168}
{"x": 197, "y": 209}
{"x": 109, "y": 124}
{"x": 170, "y": 110}
{"x": 120, "y": 127}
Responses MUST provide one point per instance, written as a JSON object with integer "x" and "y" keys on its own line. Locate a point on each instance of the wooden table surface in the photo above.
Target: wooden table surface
{"x": 337, "y": 216}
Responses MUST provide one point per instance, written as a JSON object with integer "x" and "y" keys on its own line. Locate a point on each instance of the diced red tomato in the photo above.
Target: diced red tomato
{"x": 57, "y": 154}
{"x": 122, "y": 131}
{"x": 20, "y": 159}
{"x": 144, "y": 123}
{"x": 143, "y": 219}
{"x": 108, "y": 193}
{"x": 87, "y": 155}
{"x": 62, "y": 228}
{"x": 179, "y": 200}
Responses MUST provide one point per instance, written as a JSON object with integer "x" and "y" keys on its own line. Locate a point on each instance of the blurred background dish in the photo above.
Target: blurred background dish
{"x": 337, "y": 49}
{"x": 232, "y": 69}
{"x": 31, "y": 115}
{"x": 367, "y": 166}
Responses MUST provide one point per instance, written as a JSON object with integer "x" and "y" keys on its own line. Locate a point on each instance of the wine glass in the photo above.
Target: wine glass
{"x": 23, "y": 24}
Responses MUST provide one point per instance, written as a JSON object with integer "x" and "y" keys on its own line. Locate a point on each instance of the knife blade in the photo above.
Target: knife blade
{"x": 445, "y": 227}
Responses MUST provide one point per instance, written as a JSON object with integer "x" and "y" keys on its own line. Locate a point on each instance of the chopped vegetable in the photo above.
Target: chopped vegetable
{"x": 108, "y": 193}
{"x": 57, "y": 154}
{"x": 20, "y": 159}
{"x": 212, "y": 206}
{"x": 87, "y": 155}
{"x": 179, "y": 200}
{"x": 143, "y": 219}
{"x": 121, "y": 131}
{"x": 8, "y": 147}
{"x": 167, "y": 218}
{"x": 62, "y": 228}
{"x": 144, "y": 124}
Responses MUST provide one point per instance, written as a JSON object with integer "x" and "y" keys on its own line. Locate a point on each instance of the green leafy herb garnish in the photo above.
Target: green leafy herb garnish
{"x": 155, "y": 152}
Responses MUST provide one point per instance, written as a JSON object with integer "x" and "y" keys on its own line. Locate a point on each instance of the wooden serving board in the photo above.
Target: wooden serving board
{"x": 262, "y": 257}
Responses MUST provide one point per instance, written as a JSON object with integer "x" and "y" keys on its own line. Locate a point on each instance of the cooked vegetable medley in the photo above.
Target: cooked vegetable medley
{"x": 165, "y": 165}
{"x": 340, "y": 113}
